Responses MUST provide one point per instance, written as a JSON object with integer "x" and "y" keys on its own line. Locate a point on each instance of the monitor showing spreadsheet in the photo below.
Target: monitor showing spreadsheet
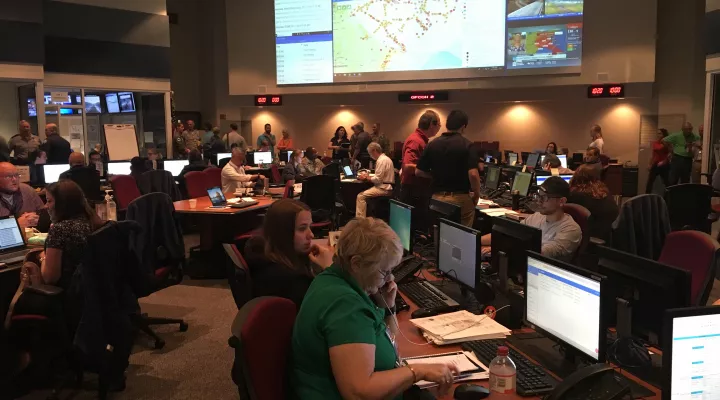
{"x": 10, "y": 235}
{"x": 52, "y": 172}
{"x": 119, "y": 168}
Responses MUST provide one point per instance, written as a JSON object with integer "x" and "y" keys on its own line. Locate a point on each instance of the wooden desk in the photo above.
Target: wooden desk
{"x": 203, "y": 206}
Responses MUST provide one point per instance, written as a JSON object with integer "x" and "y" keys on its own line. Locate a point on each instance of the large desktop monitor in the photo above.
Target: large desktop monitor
{"x": 11, "y": 238}
{"x": 512, "y": 158}
{"x": 221, "y": 156}
{"x": 262, "y": 157}
{"x": 118, "y": 168}
{"x": 458, "y": 252}
{"x": 640, "y": 291}
{"x": 690, "y": 351}
{"x": 401, "y": 223}
{"x": 52, "y": 172}
{"x": 510, "y": 241}
{"x": 521, "y": 183}
{"x": 492, "y": 177}
{"x": 540, "y": 179}
{"x": 563, "y": 302}
{"x": 532, "y": 160}
{"x": 175, "y": 167}
{"x": 448, "y": 211}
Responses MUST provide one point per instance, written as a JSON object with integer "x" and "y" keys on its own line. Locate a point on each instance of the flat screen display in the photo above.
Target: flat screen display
{"x": 344, "y": 41}
{"x": 32, "y": 108}
{"x": 10, "y": 236}
{"x": 175, "y": 167}
{"x": 119, "y": 168}
{"x": 92, "y": 103}
{"x": 52, "y": 172}
{"x": 111, "y": 99}
{"x": 263, "y": 157}
{"x": 127, "y": 102}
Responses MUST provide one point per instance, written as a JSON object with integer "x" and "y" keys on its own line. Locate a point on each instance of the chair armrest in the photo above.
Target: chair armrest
{"x": 45, "y": 290}
{"x": 597, "y": 241}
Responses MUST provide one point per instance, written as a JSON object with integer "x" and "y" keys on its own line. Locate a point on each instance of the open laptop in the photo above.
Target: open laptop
{"x": 217, "y": 198}
{"x": 348, "y": 172}
{"x": 12, "y": 242}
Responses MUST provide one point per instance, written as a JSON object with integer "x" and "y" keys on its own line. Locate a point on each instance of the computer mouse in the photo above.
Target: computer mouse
{"x": 423, "y": 313}
{"x": 468, "y": 391}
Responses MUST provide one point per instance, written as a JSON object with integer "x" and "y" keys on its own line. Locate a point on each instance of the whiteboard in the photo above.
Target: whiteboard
{"x": 121, "y": 142}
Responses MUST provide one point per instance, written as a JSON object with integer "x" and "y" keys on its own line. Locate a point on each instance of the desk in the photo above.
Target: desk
{"x": 350, "y": 189}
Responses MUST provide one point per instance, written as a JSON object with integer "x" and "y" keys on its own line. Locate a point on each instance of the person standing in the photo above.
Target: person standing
{"x": 24, "y": 145}
{"x": 178, "y": 141}
{"x": 234, "y": 138}
{"x": 207, "y": 136}
{"x": 414, "y": 189}
{"x": 269, "y": 137}
{"x": 383, "y": 180}
{"x": 597, "y": 138}
{"x": 215, "y": 145}
{"x": 57, "y": 148}
{"x": 340, "y": 144}
{"x": 659, "y": 163}
{"x": 452, "y": 164}
{"x": 380, "y": 138}
{"x": 359, "y": 127}
{"x": 363, "y": 140}
{"x": 190, "y": 138}
{"x": 551, "y": 148}
{"x": 681, "y": 146}
{"x": 286, "y": 143}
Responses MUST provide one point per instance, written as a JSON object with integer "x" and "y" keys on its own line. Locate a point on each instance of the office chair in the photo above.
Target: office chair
{"x": 326, "y": 160}
{"x": 289, "y": 189}
{"x": 641, "y": 226}
{"x": 223, "y": 162}
{"x": 261, "y": 335}
{"x": 332, "y": 169}
{"x": 581, "y": 216}
{"x": 161, "y": 249}
{"x": 125, "y": 190}
{"x": 604, "y": 160}
{"x": 696, "y": 252}
{"x": 196, "y": 183}
{"x": 238, "y": 275}
{"x": 159, "y": 181}
{"x": 612, "y": 176}
{"x": 275, "y": 173}
{"x": 690, "y": 206}
{"x": 379, "y": 206}
{"x": 213, "y": 176}
{"x": 318, "y": 193}
{"x": 89, "y": 181}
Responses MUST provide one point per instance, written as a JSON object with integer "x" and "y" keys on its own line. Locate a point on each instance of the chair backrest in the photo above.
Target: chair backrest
{"x": 276, "y": 177}
{"x": 641, "y": 226}
{"x": 89, "y": 181}
{"x": 612, "y": 177}
{"x": 262, "y": 331}
{"x": 332, "y": 169}
{"x": 213, "y": 176}
{"x": 581, "y": 216}
{"x": 326, "y": 160}
{"x": 696, "y": 252}
{"x": 289, "y": 189}
{"x": 125, "y": 190}
{"x": 159, "y": 181}
{"x": 238, "y": 274}
{"x": 689, "y": 205}
{"x": 319, "y": 192}
{"x": 196, "y": 184}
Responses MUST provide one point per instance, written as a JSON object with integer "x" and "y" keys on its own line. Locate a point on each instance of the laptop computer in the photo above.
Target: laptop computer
{"x": 12, "y": 242}
{"x": 217, "y": 198}
{"x": 348, "y": 172}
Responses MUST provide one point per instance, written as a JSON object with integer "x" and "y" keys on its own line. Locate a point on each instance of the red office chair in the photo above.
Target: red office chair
{"x": 696, "y": 252}
{"x": 581, "y": 216}
{"x": 276, "y": 177}
{"x": 289, "y": 189}
{"x": 213, "y": 176}
{"x": 262, "y": 331}
{"x": 196, "y": 184}
{"x": 125, "y": 190}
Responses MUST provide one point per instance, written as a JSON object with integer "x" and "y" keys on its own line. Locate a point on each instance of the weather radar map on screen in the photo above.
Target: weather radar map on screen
{"x": 345, "y": 41}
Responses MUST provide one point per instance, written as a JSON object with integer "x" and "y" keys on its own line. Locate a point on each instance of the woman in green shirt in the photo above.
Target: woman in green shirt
{"x": 341, "y": 344}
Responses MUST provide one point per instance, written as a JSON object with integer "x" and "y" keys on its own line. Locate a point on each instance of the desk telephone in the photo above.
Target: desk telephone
{"x": 594, "y": 382}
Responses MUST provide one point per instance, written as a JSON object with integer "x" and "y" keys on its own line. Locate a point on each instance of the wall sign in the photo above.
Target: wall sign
{"x": 423, "y": 97}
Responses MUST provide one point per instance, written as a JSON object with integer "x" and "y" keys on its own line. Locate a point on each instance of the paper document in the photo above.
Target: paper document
{"x": 460, "y": 326}
{"x": 497, "y": 212}
{"x": 468, "y": 365}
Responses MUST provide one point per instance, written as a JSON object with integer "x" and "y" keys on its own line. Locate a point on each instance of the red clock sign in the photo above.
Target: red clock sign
{"x": 606, "y": 91}
{"x": 268, "y": 100}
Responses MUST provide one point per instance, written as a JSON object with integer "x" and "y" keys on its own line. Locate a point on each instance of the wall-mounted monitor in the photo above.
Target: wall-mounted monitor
{"x": 127, "y": 102}
{"x": 111, "y": 99}
{"x": 92, "y": 103}
{"x": 32, "y": 108}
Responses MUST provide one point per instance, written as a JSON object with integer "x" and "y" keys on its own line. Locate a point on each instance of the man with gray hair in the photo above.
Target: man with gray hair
{"x": 24, "y": 145}
{"x": 57, "y": 148}
{"x": 383, "y": 180}
{"x": 233, "y": 175}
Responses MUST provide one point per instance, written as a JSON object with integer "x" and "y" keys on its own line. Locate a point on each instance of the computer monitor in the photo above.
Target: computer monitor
{"x": 175, "y": 167}
{"x": 10, "y": 236}
{"x": 563, "y": 302}
{"x": 532, "y": 160}
{"x": 111, "y": 100}
{"x": 510, "y": 241}
{"x": 540, "y": 179}
{"x": 262, "y": 157}
{"x": 127, "y": 102}
{"x": 401, "y": 223}
{"x": 640, "y": 291}
{"x": 458, "y": 252}
{"x": 284, "y": 155}
{"x": 512, "y": 158}
{"x": 488, "y": 158}
{"x": 349, "y": 174}
{"x": 52, "y": 172}
{"x": 521, "y": 183}
{"x": 221, "y": 156}
{"x": 119, "y": 168}
{"x": 492, "y": 177}
{"x": 563, "y": 160}
{"x": 689, "y": 352}
{"x": 448, "y": 211}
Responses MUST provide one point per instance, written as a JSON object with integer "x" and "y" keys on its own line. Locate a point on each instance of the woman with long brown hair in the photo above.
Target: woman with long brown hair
{"x": 289, "y": 259}
{"x": 587, "y": 190}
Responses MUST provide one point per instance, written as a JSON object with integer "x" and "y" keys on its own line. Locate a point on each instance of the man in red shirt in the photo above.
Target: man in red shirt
{"x": 416, "y": 190}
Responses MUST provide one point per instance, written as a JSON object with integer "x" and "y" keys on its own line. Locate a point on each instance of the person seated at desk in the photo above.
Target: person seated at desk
{"x": 87, "y": 178}
{"x": 288, "y": 261}
{"x": 233, "y": 175}
{"x": 341, "y": 344}
{"x": 96, "y": 161}
{"x": 382, "y": 181}
{"x": 139, "y": 166}
{"x": 18, "y": 199}
{"x": 561, "y": 236}
{"x": 592, "y": 158}
{"x": 311, "y": 164}
{"x": 587, "y": 190}
{"x": 291, "y": 172}
{"x": 552, "y": 161}
{"x": 154, "y": 157}
{"x": 551, "y": 148}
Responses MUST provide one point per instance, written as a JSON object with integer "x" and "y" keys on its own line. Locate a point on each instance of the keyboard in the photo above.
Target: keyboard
{"x": 531, "y": 378}
{"x": 243, "y": 204}
{"x": 425, "y": 295}
{"x": 406, "y": 269}
{"x": 13, "y": 260}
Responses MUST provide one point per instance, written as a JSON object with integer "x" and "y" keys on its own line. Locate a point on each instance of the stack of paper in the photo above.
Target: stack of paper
{"x": 461, "y": 326}
{"x": 497, "y": 212}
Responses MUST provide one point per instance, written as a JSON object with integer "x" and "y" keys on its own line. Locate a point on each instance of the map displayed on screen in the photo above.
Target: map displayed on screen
{"x": 344, "y": 41}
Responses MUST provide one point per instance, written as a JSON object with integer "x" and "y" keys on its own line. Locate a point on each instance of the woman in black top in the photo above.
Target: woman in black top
{"x": 290, "y": 260}
{"x": 336, "y": 144}
{"x": 587, "y": 190}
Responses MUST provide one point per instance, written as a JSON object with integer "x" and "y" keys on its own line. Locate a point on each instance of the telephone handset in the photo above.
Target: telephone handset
{"x": 596, "y": 381}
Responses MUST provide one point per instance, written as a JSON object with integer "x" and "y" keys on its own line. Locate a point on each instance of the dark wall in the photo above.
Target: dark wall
{"x": 21, "y": 32}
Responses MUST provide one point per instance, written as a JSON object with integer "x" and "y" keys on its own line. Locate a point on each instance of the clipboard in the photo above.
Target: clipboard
{"x": 431, "y": 358}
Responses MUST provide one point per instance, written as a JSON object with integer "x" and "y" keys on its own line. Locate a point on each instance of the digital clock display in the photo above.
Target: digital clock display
{"x": 268, "y": 100}
{"x": 423, "y": 97}
{"x": 605, "y": 91}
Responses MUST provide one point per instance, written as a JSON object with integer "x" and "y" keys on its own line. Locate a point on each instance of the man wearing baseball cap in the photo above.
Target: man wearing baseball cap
{"x": 561, "y": 236}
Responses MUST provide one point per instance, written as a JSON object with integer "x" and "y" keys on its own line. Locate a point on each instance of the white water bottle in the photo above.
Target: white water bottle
{"x": 503, "y": 374}
{"x": 111, "y": 207}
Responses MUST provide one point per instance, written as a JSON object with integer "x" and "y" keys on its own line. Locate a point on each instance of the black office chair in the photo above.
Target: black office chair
{"x": 332, "y": 169}
{"x": 318, "y": 192}
{"x": 159, "y": 181}
{"x": 379, "y": 206}
{"x": 689, "y": 207}
{"x": 88, "y": 179}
